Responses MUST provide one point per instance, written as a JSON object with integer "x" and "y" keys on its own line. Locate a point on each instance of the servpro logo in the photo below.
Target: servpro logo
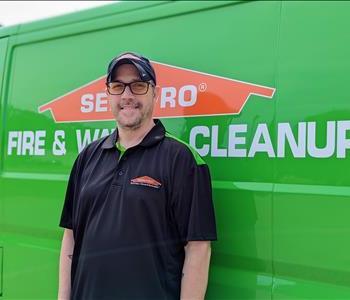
{"x": 184, "y": 93}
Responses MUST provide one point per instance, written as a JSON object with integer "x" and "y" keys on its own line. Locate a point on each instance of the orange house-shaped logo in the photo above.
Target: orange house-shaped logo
{"x": 184, "y": 93}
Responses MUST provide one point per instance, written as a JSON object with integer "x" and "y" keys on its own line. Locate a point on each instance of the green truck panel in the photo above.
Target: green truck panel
{"x": 280, "y": 188}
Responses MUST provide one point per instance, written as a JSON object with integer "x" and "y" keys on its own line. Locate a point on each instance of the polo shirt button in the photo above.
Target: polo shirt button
{"x": 120, "y": 173}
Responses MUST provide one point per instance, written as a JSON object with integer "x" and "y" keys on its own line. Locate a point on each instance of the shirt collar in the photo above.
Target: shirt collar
{"x": 155, "y": 135}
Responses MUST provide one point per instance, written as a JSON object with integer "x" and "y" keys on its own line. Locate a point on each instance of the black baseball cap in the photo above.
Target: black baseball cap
{"x": 141, "y": 63}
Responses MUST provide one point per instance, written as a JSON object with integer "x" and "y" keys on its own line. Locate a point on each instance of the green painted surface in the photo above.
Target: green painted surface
{"x": 311, "y": 199}
{"x": 3, "y": 51}
{"x": 282, "y": 220}
{"x": 197, "y": 157}
{"x": 1, "y": 255}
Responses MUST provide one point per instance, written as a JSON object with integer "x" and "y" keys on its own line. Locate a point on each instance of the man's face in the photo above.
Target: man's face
{"x": 131, "y": 111}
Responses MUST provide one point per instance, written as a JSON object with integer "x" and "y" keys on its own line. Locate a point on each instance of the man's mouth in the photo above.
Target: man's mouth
{"x": 129, "y": 106}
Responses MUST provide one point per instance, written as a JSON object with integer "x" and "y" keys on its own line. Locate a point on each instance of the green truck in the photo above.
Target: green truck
{"x": 258, "y": 88}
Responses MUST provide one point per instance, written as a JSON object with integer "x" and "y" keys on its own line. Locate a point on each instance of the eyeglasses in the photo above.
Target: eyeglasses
{"x": 136, "y": 87}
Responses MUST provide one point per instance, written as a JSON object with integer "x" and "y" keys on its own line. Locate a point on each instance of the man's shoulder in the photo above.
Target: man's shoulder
{"x": 181, "y": 148}
{"x": 93, "y": 147}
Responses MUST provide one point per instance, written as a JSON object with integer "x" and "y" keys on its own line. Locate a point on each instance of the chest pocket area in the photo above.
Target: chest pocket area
{"x": 147, "y": 192}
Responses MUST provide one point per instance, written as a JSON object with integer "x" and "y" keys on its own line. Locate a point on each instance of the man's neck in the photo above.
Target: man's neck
{"x": 132, "y": 137}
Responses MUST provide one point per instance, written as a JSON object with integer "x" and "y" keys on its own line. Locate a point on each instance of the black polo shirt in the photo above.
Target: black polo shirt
{"x": 131, "y": 217}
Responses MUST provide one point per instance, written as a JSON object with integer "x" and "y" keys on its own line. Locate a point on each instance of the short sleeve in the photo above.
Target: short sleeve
{"x": 192, "y": 202}
{"x": 67, "y": 211}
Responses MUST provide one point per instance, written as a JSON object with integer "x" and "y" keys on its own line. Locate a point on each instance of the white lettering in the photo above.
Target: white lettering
{"x": 19, "y": 148}
{"x": 302, "y": 143}
{"x": 26, "y": 142}
{"x": 215, "y": 151}
{"x": 284, "y": 132}
{"x": 101, "y": 102}
{"x": 342, "y": 142}
{"x": 85, "y": 138}
{"x": 234, "y": 140}
{"x": 192, "y": 93}
{"x": 168, "y": 94}
{"x": 40, "y": 142}
{"x": 12, "y": 142}
{"x": 265, "y": 146}
{"x": 312, "y": 149}
{"x": 199, "y": 130}
{"x": 83, "y": 141}
{"x": 59, "y": 145}
{"x": 87, "y": 102}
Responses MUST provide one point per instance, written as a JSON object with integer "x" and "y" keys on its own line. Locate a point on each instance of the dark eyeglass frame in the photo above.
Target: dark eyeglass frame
{"x": 130, "y": 86}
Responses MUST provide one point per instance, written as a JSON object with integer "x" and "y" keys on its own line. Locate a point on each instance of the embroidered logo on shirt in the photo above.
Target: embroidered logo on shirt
{"x": 146, "y": 181}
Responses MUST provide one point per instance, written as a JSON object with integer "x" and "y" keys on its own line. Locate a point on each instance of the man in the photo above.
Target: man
{"x": 138, "y": 211}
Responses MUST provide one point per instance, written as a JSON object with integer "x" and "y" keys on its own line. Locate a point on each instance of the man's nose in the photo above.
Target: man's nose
{"x": 127, "y": 93}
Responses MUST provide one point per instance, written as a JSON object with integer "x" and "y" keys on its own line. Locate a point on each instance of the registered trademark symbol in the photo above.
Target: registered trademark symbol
{"x": 202, "y": 87}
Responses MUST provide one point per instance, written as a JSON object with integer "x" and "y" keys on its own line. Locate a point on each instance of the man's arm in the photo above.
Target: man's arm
{"x": 65, "y": 265}
{"x": 195, "y": 270}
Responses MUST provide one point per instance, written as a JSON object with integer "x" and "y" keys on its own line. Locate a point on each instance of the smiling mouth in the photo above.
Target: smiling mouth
{"x": 129, "y": 106}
